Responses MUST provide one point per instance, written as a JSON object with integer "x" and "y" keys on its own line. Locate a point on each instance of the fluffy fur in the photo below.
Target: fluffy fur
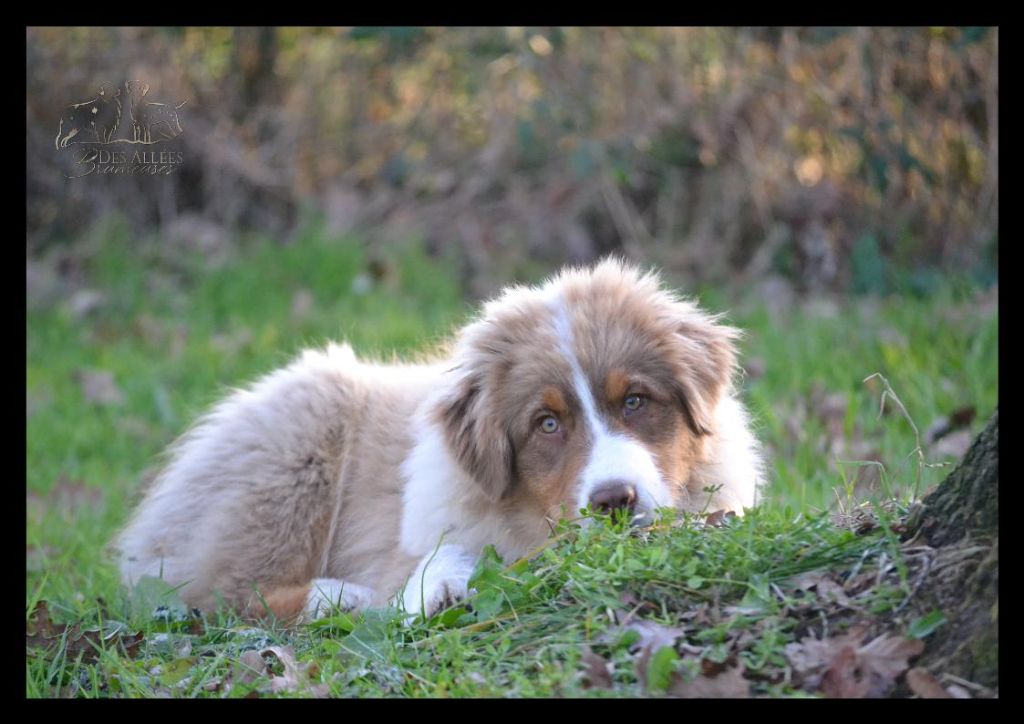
{"x": 337, "y": 482}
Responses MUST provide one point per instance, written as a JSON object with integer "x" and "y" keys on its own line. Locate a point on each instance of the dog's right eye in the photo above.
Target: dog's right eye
{"x": 548, "y": 425}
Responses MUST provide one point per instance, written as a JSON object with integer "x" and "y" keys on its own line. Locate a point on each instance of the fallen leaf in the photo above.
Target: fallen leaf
{"x": 651, "y": 638}
{"x": 598, "y": 671}
{"x": 302, "y": 304}
{"x": 729, "y": 684}
{"x": 844, "y": 668}
{"x": 246, "y": 671}
{"x": 719, "y": 518}
{"x": 942, "y": 426}
{"x": 41, "y": 632}
{"x": 954, "y": 445}
{"x": 233, "y": 342}
{"x": 825, "y": 588}
{"x": 959, "y": 692}
{"x": 754, "y": 368}
{"x": 963, "y": 416}
{"x": 85, "y": 301}
{"x": 40, "y": 628}
{"x": 653, "y": 635}
{"x": 887, "y": 656}
{"x": 66, "y": 496}
{"x": 655, "y": 667}
{"x": 830, "y": 409}
{"x": 922, "y": 683}
{"x": 98, "y": 386}
{"x": 842, "y": 679}
{"x": 174, "y": 673}
{"x": 296, "y": 676}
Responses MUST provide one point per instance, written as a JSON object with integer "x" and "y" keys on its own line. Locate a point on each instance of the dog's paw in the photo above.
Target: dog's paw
{"x": 440, "y": 581}
{"x": 443, "y": 594}
{"x": 329, "y": 594}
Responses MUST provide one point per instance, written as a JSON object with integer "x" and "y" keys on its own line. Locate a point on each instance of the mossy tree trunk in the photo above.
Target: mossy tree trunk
{"x": 960, "y": 518}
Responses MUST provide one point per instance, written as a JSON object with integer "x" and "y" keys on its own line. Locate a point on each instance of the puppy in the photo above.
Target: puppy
{"x": 340, "y": 482}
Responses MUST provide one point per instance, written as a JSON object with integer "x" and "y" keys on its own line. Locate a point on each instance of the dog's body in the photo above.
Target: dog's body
{"x": 334, "y": 481}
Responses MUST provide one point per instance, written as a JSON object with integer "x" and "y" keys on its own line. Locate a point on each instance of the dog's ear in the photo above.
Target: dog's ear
{"x": 705, "y": 359}
{"x": 477, "y": 437}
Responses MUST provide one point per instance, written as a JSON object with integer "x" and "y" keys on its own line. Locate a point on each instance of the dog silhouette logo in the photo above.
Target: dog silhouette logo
{"x": 119, "y": 115}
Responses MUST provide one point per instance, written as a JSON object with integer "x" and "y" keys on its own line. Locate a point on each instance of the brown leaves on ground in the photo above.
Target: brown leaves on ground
{"x": 824, "y": 586}
{"x": 65, "y": 498}
{"x": 926, "y": 686}
{"x": 656, "y": 654}
{"x": 98, "y": 386}
{"x": 597, "y": 672}
{"x": 653, "y": 635}
{"x": 256, "y": 669}
{"x": 864, "y": 517}
{"x": 843, "y": 667}
{"x": 715, "y": 519}
{"x": 719, "y": 518}
{"x": 943, "y": 426}
{"x": 44, "y": 634}
{"x": 303, "y": 304}
{"x": 729, "y": 683}
{"x": 949, "y": 437}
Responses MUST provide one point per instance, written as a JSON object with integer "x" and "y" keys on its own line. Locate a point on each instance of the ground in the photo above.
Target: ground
{"x": 814, "y": 594}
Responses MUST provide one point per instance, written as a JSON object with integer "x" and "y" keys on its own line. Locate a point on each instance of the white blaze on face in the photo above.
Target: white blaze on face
{"x": 613, "y": 456}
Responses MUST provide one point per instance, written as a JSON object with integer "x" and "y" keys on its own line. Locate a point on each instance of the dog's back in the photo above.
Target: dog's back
{"x": 251, "y": 493}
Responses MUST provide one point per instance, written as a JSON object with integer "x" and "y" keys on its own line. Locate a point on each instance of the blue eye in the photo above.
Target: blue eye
{"x": 549, "y": 425}
{"x": 634, "y": 403}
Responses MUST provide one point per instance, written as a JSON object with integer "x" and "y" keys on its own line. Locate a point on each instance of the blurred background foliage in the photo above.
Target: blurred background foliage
{"x": 828, "y": 159}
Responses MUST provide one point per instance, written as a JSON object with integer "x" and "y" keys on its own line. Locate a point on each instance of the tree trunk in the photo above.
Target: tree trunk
{"x": 960, "y": 519}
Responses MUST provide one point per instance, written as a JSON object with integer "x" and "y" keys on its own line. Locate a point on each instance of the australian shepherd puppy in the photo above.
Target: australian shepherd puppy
{"x": 338, "y": 482}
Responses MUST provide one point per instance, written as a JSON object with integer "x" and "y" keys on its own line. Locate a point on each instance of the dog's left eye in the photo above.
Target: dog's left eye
{"x": 549, "y": 424}
{"x": 634, "y": 403}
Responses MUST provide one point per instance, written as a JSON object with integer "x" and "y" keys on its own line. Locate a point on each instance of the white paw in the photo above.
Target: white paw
{"x": 330, "y": 593}
{"x": 440, "y": 580}
{"x": 441, "y": 595}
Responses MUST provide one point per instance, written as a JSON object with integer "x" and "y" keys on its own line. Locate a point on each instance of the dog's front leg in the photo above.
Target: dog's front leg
{"x": 440, "y": 580}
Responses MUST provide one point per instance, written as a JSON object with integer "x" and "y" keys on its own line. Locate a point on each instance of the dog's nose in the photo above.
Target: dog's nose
{"x": 613, "y": 495}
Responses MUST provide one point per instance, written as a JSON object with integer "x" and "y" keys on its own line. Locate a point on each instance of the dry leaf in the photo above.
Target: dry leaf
{"x": 302, "y": 304}
{"x": 959, "y": 692}
{"x": 85, "y": 301}
{"x": 66, "y": 497}
{"x": 887, "y": 656}
{"x": 824, "y": 586}
{"x": 42, "y": 632}
{"x": 841, "y": 680}
{"x": 40, "y": 629}
{"x": 754, "y": 368}
{"x": 98, "y": 386}
{"x": 296, "y": 676}
{"x": 249, "y": 668}
{"x": 719, "y": 517}
{"x": 844, "y": 668}
{"x": 728, "y": 684}
{"x": 953, "y": 445}
{"x": 598, "y": 671}
{"x": 653, "y": 635}
{"x": 942, "y": 426}
{"x": 963, "y": 416}
{"x": 922, "y": 683}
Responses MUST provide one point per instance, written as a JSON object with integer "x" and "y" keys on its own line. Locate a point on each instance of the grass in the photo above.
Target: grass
{"x": 177, "y": 328}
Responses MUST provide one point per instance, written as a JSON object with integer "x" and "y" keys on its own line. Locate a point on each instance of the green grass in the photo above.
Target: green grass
{"x": 177, "y": 329}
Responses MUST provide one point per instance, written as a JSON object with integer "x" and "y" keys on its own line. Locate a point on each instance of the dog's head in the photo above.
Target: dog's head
{"x": 597, "y": 388}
